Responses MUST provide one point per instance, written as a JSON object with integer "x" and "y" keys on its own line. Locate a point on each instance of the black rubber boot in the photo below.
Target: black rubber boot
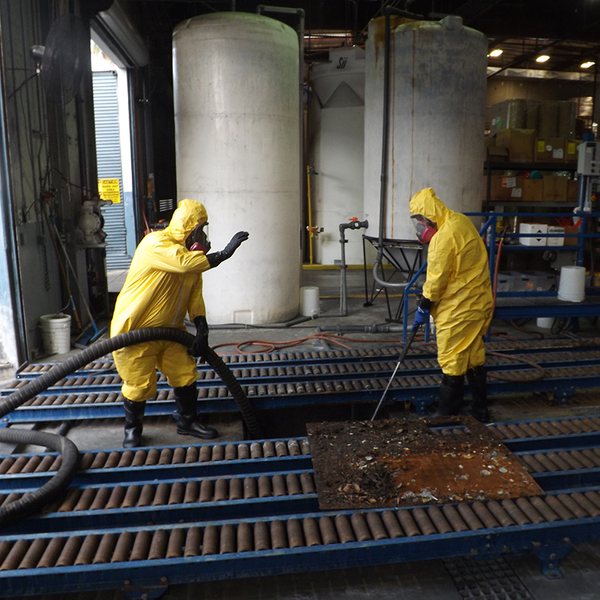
{"x": 188, "y": 424}
{"x": 452, "y": 392}
{"x": 134, "y": 414}
{"x": 477, "y": 384}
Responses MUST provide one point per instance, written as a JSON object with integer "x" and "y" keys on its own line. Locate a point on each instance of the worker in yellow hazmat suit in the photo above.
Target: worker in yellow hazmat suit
{"x": 164, "y": 283}
{"x": 458, "y": 295}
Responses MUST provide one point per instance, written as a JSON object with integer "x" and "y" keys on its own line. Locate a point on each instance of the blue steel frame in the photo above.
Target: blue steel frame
{"x": 416, "y": 370}
{"x": 489, "y": 233}
{"x": 421, "y": 397}
{"x": 550, "y": 541}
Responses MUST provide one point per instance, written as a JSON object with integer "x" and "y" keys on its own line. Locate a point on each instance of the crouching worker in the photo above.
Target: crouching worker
{"x": 164, "y": 283}
{"x": 458, "y": 295}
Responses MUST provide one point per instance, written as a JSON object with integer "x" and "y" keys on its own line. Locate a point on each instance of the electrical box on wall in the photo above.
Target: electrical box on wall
{"x": 588, "y": 161}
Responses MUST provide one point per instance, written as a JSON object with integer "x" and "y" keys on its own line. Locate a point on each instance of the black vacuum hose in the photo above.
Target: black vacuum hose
{"x": 34, "y": 501}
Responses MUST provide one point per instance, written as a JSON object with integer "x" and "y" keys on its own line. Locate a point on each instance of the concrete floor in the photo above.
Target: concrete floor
{"x": 424, "y": 580}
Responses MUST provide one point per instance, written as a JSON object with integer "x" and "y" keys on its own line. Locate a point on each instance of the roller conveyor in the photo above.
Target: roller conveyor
{"x": 280, "y": 359}
{"x": 278, "y": 528}
{"x": 281, "y": 380}
{"x": 421, "y": 391}
{"x": 312, "y": 372}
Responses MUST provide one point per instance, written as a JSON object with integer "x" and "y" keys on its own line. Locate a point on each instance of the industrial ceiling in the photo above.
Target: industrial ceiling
{"x": 566, "y": 30}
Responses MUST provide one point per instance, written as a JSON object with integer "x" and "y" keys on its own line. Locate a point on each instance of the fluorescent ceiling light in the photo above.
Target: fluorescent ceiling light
{"x": 588, "y": 64}
{"x": 542, "y": 58}
{"x": 496, "y": 52}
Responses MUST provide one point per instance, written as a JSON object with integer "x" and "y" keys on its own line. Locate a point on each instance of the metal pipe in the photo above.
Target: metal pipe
{"x": 407, "y": 346}
{"x": 384, "y": 145}
{"x": 353, "y": 224}
{"x": 385, "y": 134}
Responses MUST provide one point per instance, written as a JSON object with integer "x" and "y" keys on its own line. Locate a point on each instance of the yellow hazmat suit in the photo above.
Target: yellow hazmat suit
{"x": 458, "y": 284}
{"x": 163, "y": 284}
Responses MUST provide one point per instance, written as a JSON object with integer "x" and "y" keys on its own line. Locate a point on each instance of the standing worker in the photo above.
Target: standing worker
{"x": 164, "y": 283}
{"x": 458, "y": 295}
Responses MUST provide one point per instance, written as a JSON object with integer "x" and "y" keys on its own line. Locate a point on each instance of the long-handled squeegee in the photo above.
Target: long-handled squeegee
{"x": 409, "y": 341}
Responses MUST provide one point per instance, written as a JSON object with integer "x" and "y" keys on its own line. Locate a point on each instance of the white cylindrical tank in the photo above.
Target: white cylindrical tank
{"x": 237, "y": 125}
{"x": 436, "y": 123}
{"x": 337, "y": 149}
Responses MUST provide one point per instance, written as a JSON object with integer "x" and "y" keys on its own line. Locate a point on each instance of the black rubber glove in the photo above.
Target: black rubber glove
{"x": 216, "y": 258}
{"x": 200, "y": 345}
{"x": 425, "y": 303}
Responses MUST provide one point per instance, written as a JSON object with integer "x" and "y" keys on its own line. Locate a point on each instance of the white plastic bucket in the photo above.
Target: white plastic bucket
{"x": 309, "y": 301}
{"x": 56, "y": 333}
{"x": 572, "y": 284}
{"x": 545, "y": 322}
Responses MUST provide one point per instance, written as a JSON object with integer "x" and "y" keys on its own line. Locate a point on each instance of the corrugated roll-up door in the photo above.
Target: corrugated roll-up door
{"x": 108, "y": 152}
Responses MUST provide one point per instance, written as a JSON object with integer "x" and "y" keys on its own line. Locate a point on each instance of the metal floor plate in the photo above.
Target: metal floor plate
{"x": 486, "y": 580}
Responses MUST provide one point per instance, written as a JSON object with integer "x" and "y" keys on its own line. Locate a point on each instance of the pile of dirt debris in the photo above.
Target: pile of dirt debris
{"x": 407, "y": 462}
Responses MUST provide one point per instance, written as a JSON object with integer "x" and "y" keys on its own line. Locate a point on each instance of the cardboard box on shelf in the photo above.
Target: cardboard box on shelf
{"x": 533, "y": 190}
{"x": 497, "y": 154}
{"x": 555, "y": 241}
{"x": 572, "y": 190}
{"x": 533, "y": 228}
{"x": 549, "y": 150}
{"x": 571, "y": 241}
{"x": 519, "y": 143}
{"x": 571, "y": 153}
{"x": 497, "y": 192}
{"x": 503, "y": 187}
{"x": 555, "y": 188}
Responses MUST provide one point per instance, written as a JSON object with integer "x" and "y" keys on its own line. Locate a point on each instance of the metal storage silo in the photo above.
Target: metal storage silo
{"x": 436, "y": 118}
{"x": 337, "y": 151}
{"x": 236, "y": 88}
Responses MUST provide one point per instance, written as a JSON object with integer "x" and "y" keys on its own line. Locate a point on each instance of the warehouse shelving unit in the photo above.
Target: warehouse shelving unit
{"x": 530, "y": 304}
{"x": 490, "y": 167}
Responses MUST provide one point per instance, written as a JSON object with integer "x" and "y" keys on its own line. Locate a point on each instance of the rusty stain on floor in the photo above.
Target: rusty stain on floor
{"x": 407, "y": 462}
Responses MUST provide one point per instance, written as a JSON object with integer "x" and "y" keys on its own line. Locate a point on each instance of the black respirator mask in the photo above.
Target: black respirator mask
{"x": 198, "y": 239}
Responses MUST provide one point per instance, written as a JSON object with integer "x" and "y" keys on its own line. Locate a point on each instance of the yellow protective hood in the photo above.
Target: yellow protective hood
{"x": 427, "y": 203}
{"x": 188, "y": 215}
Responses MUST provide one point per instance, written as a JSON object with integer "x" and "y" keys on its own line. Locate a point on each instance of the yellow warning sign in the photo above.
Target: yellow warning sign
{"x": 109, "y": 189}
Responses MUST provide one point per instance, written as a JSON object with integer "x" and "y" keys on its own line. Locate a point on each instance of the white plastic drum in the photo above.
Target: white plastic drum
{"x": 336, "y": 129}
{"x": 437, "y": 118}
{"x": 236, "y": 86}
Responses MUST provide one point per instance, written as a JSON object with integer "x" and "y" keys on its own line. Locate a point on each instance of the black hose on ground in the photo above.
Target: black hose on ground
{"x": 34, "y": 501}
{"x": 246, "y": 409}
